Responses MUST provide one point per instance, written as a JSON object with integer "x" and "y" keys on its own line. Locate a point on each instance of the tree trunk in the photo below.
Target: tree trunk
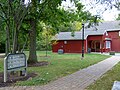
{"x": 7, "y": 41}
{"x": 32, "y": 35}
{"x": 7, "y": 50}
{"x": 15, "y": 41}
{"x": 32, "y": 48}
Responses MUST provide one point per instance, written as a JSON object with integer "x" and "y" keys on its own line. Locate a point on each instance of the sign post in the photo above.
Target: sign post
{"x": 14, "y": 62}
{"x": 5, "y": 70}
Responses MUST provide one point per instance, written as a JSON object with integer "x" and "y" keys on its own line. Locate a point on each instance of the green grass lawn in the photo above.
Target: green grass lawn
{"x": 60, "y": 65}
{"x": 107, "y": 80}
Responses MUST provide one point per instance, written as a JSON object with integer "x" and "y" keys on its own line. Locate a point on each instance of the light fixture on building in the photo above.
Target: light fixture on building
{"x": 65, "y": 42}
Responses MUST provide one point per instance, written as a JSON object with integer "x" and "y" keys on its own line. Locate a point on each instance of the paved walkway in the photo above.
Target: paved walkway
{"x": 76, "y": 81}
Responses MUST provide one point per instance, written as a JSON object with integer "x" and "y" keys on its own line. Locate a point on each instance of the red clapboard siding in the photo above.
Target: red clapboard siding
{"x": 72, "y": 46}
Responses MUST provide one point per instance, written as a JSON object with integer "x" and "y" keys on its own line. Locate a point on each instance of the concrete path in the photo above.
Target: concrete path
{"x": 116, "y": 54}
{"x": 76, "y": 81}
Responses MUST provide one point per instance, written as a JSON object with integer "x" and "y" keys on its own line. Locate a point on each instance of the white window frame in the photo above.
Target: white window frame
{"x": 108, "y": 44}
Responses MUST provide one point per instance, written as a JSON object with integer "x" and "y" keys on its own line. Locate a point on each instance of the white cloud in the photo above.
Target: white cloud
{"x": 110, "y": 15}
{"x": 99, "y": 9}
{"x": 27, "y": 1}
{"x": 68, "y": 5}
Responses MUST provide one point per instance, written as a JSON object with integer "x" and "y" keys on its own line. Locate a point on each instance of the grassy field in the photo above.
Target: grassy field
{"x": 60, "y": 65}
{"x": 107, "y": 80}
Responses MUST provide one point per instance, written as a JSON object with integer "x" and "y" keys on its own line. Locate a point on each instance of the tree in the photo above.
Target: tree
{"x": 12, "y": 14}
{"x": 118, "y": 18}
{"x": 39, "y": 11}
{"x": 78, "y": 16}
{"x": 44, "y": 37}
{"x": 32, "y": 35}
{"x": 46, "y": 11}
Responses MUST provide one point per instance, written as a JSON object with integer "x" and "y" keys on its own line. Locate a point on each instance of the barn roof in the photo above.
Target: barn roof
{"x": 97, "y": 30}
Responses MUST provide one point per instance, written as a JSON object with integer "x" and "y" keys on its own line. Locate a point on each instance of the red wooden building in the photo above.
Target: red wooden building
{"x": 103, "y": 38}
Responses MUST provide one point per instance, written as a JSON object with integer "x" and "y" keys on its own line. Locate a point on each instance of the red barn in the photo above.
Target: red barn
{"x": 102, "y": 38}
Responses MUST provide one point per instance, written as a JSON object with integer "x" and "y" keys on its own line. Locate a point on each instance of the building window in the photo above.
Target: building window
{"x": 119, "y": 33}
{"x": 108, "y": 44}
{"x": 65, "y": 42}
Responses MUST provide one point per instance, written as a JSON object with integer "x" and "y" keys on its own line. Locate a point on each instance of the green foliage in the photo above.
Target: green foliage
{"x": 2, "y": 35}
{"x": 118, "y": 18}
{"x": 44, "y": 39}
{"x": 77, "y": 17}
{"x": 12, "y": 14}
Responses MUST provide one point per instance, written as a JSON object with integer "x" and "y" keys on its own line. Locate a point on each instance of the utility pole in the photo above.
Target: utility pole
{"x": 82, "y": 41}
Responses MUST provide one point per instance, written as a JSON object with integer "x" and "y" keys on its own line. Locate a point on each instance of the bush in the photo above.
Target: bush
{"x": 112, "y": 52}
{"x": 2, "y": 47}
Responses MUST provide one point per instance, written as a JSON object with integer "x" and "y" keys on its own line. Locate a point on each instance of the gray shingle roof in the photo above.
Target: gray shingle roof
{"x": 101, "y": 29}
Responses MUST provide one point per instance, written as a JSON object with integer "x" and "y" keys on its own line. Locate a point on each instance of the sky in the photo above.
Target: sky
{"x": 108, "y": 15}
{"x": 26, "y": 1}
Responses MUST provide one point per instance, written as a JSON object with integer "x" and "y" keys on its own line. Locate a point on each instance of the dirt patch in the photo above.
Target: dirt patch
{"x": 14, "y": 78}
{"x": 38, "y": 64}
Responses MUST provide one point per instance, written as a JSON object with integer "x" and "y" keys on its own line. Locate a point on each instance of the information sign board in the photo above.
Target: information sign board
{"x": 14, "y": 61}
